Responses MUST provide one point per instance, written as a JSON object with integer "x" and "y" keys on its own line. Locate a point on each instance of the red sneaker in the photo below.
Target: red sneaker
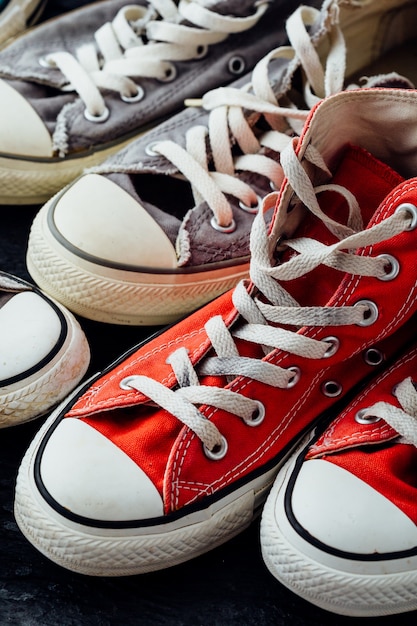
{"x": 340, "y": 525}
{"x": 173, "y": 449}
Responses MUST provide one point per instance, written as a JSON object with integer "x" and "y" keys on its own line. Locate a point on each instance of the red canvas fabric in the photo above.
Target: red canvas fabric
{"x": 374, "y": 452}
{"x": 171, "y": 454}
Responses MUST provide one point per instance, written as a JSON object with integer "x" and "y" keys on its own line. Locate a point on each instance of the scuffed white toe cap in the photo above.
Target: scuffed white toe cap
{"x": 107, "y": 224}
{"x": 345, "y": 513}
{"x": 22, "y": 131}
{"x": 30, "y": 328}
{"x": 90, "y": 476}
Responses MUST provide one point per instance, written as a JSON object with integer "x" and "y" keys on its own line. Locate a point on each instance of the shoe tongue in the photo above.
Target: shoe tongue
{"x": 369, "y": 180}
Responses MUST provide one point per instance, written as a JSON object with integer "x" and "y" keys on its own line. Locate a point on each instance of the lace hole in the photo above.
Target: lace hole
{"x": 331, "y": 388}
{"x": 371, "y": 315}
{"x": 373, "y": 357}
{"x": 295, "y": 377}
{"x": 333, "y": 348}
{"x": 126, "y": 383}
{"x": 257, "y": 416}
{"x": 137, "y": 97}
{"x": 251, "y": 208}
{"x": 391, "y": 267}
{"x": 97, "y": 119}
{"x": 411, "y": 209}
{"x": 218, "y": 452}
{"x": 223, "y": 229}
{"x": 169, "y": 75}
{"x": 236, "y": 65}
{"x": 201, "y": 51}
{"x": 361, "y": 418}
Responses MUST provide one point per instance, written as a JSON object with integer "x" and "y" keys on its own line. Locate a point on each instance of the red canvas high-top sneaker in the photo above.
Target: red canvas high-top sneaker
{"x": 172, "y": 450}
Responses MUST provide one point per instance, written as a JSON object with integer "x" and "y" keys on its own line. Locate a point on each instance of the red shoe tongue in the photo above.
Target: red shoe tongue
{"x": 370, "y": 181}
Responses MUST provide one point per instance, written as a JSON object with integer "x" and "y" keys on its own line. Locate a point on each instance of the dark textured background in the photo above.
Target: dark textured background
{"x": 228, "y": 586}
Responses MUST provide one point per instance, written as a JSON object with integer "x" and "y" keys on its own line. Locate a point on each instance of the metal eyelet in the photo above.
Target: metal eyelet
{"x": 201, "y": 51}
{"x": 170, "y": 74}
{"x": 369, "y": 419}
{"x": 331, "y": 388}
{"x": 371, "y": 315}
{"x": 295, "y": 378}
{"x": 223, "y": 229}
{"x": 136, "y": 97}
{"x": 251, "y": 208}
{"x": 97, "y": 119}
{"x": 236, "y": 65}
{"x": 219, "y": 451}
{"x": 411, "y": 209}
{"x": 257, "y": 416}
{"x": 273, "y": 186}
{"x": 373, "y": 356}
{"x": 333, "y": 348}
{"x": 150, "y": 149}
{"x": 392, "y": 265}
{"x": 125, "y": 383}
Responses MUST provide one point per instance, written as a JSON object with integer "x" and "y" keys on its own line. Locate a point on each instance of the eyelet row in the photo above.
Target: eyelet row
{"x": 230, "y": 228}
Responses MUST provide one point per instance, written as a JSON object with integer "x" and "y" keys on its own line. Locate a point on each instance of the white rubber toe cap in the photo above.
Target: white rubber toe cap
{"x": 106, "y": 223}
{"x": 22, "y": 131}
{"x": 345, "y": 513}
{"x": 29, "y": 329}
{"x": 91, "y": 477}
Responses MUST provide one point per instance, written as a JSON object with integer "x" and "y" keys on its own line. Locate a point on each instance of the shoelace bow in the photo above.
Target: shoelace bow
{"x": 143, "y": 42}
{"x": 271, "y": 304}
{"x": 402, "y": 419}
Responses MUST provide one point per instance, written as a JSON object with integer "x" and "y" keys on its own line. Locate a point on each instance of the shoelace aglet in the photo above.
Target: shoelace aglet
{"x": 193, "y": 102}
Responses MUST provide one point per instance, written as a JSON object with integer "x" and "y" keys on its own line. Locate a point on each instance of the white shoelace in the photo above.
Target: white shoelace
{"x": 404, "y": 419}
{"x": 143, "y": 42}
{"x": 257, "y": 315}
{"x": 234, "y": 112}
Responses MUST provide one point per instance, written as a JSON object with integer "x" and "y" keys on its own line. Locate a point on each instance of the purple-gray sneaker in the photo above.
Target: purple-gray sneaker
{"x": 78, "y": 88}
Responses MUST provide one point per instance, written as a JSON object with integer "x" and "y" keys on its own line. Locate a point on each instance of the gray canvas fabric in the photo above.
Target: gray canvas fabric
{"x": 158, "y": 185}
{"x": 63, "y": 111}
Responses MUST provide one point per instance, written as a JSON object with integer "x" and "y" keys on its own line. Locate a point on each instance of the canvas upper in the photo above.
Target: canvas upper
{"x": 80, "y": 86}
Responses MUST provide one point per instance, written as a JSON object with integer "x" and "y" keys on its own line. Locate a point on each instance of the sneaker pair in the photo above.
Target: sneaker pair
{"x": 187, "y": 192}
{"x": 44, "y": 353}
{"x": 173, "y": 449}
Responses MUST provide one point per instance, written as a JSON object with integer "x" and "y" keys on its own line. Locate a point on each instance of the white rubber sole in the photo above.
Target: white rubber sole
{"x": 123, "y": 552}
{"x": 117, "y": 296}
{"x": 351, "y": 587}
{"x": 30, "y": 181}
{"x": 43, "y": 390}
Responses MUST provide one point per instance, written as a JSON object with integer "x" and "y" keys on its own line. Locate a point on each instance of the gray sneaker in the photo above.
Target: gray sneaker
{"x": 163, "y": 226}
{"x": 79, "y": 87}
{"x": 44, "y": 353}
{"x": 16, "y": 16}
